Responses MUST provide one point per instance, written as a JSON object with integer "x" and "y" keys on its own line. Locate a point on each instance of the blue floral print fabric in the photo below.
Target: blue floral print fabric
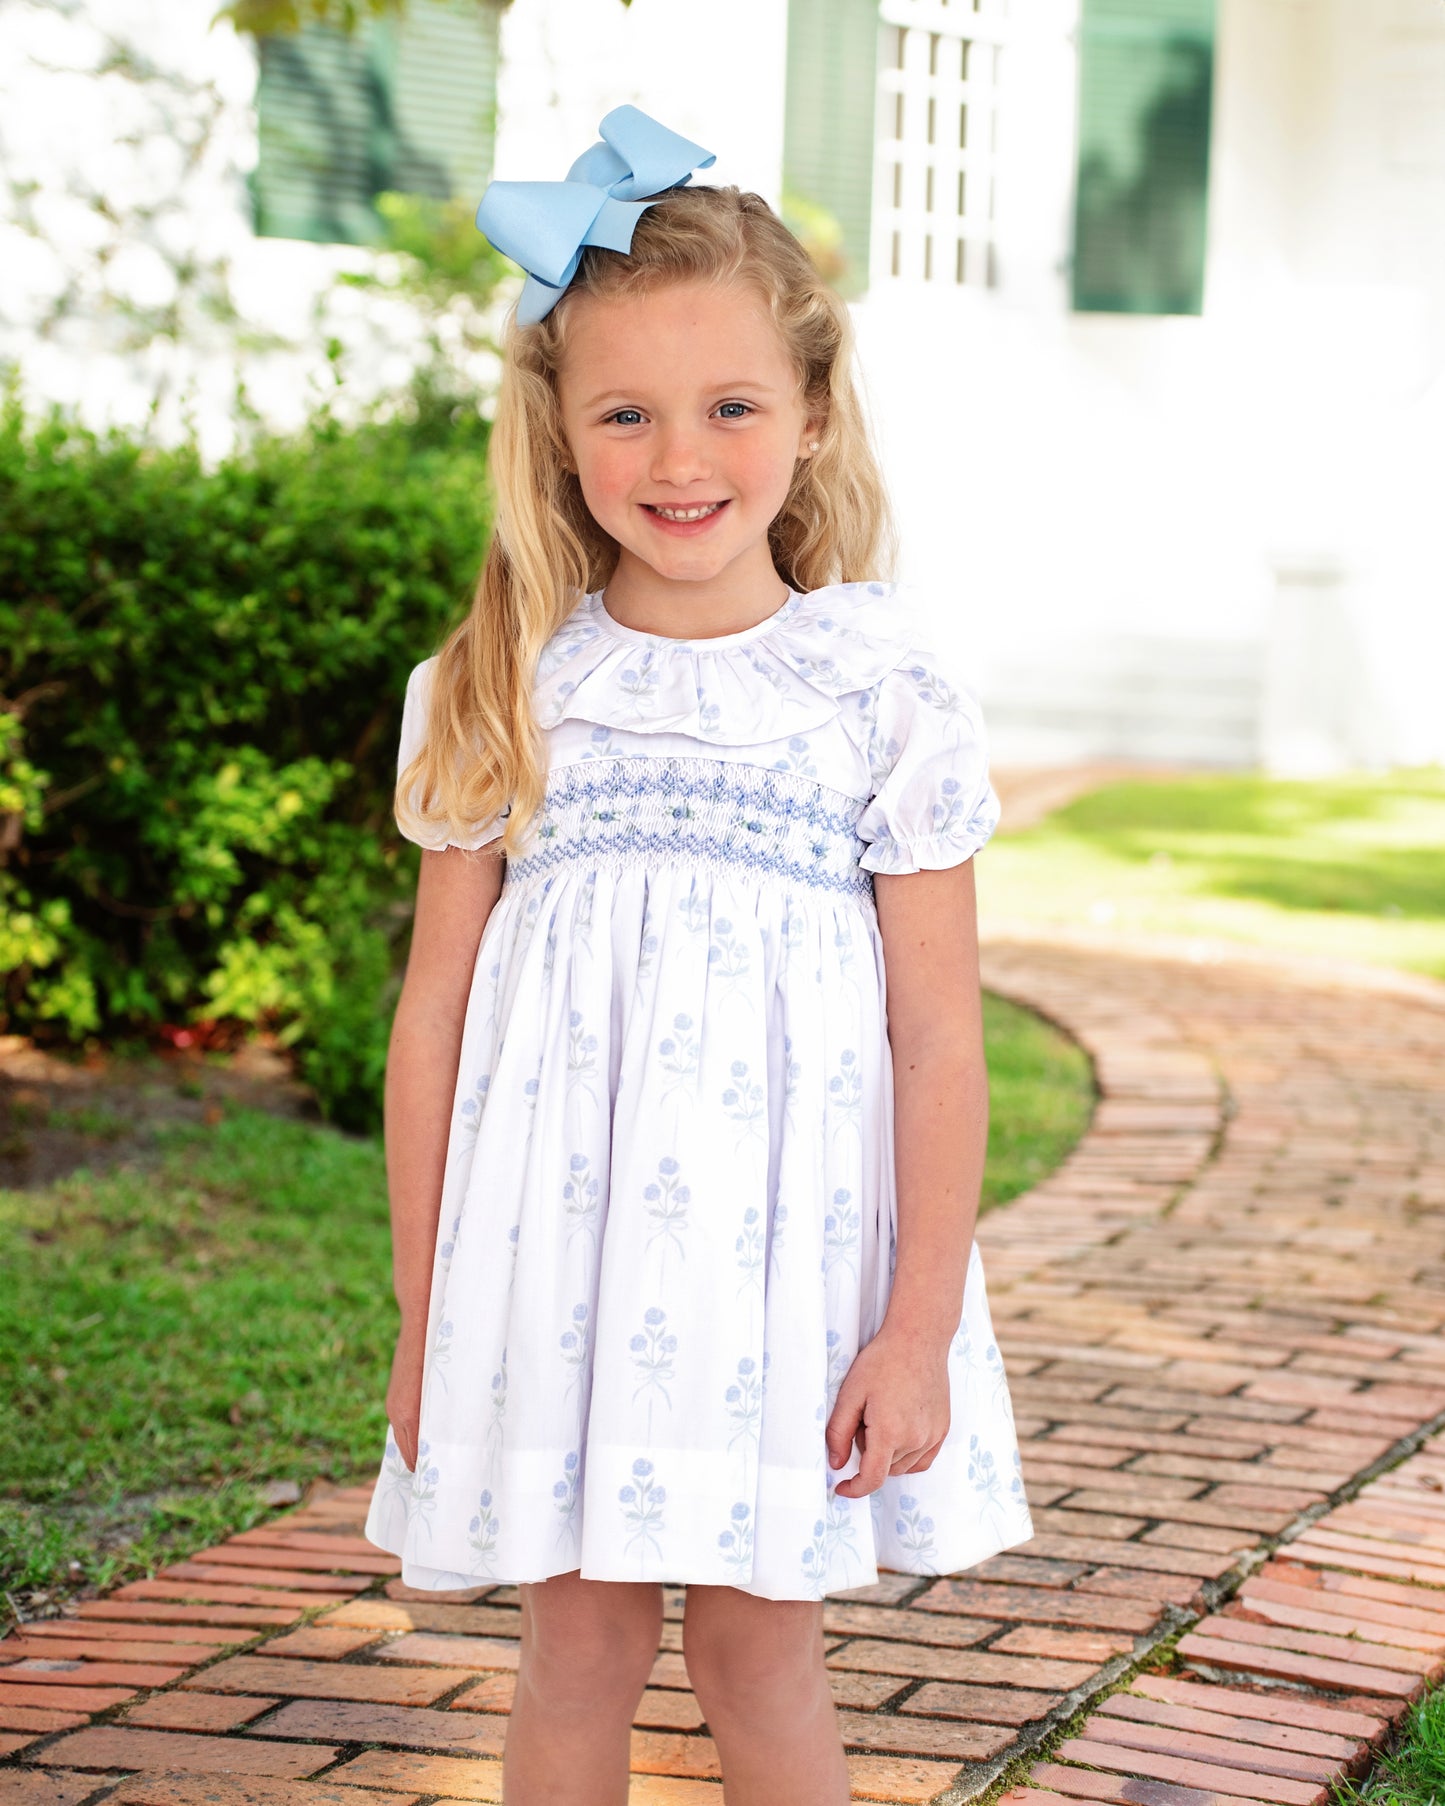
{"x": 669, "y": 1217}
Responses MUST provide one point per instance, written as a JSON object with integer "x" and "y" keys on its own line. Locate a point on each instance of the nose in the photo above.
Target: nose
{"x": 678, "y": 458}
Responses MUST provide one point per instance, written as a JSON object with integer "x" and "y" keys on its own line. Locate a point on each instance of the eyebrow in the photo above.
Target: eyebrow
{"x": 758, "y": 388}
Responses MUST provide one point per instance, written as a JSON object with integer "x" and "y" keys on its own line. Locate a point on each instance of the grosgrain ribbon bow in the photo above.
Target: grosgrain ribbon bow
{"x": 544, "y": 225}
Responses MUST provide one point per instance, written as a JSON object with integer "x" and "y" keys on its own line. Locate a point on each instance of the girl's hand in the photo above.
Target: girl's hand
{"x": 403, "y": 1395}
{"x": 895, "y": 1401}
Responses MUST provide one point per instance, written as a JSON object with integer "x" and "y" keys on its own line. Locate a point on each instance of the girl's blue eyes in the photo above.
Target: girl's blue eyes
{"x": 631, "y": 416}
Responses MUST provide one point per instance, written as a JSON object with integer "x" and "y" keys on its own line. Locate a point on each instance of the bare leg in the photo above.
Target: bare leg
{"x": 587, "y": 1649}
{"x": 756, "y": 1666}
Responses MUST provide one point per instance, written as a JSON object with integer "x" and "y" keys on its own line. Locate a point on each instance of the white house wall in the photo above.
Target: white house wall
{"x": 1098, "y": 478}
{"x": 714, "y": 72}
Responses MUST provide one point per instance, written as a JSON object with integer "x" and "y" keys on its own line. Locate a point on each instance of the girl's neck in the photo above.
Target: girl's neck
{"x": 742, "y": 595}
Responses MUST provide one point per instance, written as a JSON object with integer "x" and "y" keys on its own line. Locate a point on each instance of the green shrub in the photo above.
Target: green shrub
{"x": 201, "y": 678}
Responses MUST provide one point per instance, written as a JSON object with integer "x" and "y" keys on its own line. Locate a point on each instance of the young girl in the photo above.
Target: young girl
{"x": 683, "y": 1220}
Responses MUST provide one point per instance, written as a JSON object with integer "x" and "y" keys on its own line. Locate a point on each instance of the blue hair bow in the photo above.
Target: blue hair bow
{"x": 544, "y": 225}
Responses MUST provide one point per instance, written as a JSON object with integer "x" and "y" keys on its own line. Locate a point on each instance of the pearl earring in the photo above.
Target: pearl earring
{"x": 813, "y": 444}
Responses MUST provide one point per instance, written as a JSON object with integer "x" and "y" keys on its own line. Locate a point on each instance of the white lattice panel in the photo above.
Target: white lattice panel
{"x": 937, "y": 141}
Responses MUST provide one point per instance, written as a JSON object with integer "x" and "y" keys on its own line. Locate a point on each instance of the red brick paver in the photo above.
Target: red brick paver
{"x": 1225, "y": 1306}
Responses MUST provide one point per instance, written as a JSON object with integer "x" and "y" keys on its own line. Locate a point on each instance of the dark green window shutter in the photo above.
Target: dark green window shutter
{"x": 828, "y": 127}
{"x": 1146, "y": 81}
{"x": 405, "y": 103}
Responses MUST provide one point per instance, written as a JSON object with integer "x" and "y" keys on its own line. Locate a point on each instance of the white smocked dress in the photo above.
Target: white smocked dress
{"x": 669, "y": 1215}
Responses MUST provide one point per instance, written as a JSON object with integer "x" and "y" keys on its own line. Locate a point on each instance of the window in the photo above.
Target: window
{"x": 937, "y": 141}
{"x": 1146, "y": 72}
{"x": 828, "y": 126}
{"x": 403, "y": 103}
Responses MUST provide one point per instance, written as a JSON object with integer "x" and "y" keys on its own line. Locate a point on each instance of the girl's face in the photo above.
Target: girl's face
{"x": 685, "y": 421}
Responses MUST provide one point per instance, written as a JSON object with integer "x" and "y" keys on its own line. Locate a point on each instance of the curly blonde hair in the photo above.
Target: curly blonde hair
{"x": 484, "y": 749}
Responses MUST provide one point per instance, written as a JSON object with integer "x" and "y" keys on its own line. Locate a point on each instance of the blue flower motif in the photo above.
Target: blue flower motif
{"x": 914, "y": 1530}
{"x": 746, "y": 1102}
{"x": 736, "y": 1542}
{"x": 845, "y": 1091}
{"x": 842, "y": 1231}
{"x": 750, "y": 1246}
{"x": 744, "y": 1400}
{"x": 667, "y": 1199}
{"x": 680, "y": 1051}
{"x": 581, "y": 1197}
{"x": 576, "y": 1344}
{"x": 499, "y": 1402}
{"x": 483, "y": 1532}
{"x": 652, "y": 1351}
{"x": 581, "y": 1055}
{"x": 565, "y": 1492}
{"x": 815, "y": 1560}
{"x": 643, "y": 1503}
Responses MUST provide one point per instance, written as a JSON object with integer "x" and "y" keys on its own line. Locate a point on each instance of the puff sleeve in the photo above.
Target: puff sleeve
{"x": 414, "y": 722}
{"x": 933, "y": 804}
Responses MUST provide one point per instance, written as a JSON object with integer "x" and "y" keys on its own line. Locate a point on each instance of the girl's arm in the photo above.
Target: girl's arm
{"x": 929, "y": 924}
{"x": 898, "y": 1386}
{"x": 455, "y": 895}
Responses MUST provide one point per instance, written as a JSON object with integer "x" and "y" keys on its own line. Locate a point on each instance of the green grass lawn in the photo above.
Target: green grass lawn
{"x": 1352, "y": 867}
{"x": 175, "y": 1333}
{"x": 1041, "y": 1096}
{"x": 1413, "y": 1774}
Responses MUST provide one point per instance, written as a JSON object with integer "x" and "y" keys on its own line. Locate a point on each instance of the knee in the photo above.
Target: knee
{"x": 587, "y": 1650}
{"x": 749, "y": 1668}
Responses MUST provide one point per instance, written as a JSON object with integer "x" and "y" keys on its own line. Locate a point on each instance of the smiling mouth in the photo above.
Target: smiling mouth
{"x": 701, "y": 512}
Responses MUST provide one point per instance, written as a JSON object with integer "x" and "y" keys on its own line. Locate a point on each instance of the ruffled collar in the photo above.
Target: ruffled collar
{"x": 782, "y": 676}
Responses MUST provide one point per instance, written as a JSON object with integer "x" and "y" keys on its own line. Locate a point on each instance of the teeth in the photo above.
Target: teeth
{"x": 687, "y": 513}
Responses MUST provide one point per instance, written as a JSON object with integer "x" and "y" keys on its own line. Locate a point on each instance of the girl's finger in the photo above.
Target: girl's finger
{"x": 873, "y": 1472}
{"x": 843, "y": 1426}
{"x": 909, "y": 1461}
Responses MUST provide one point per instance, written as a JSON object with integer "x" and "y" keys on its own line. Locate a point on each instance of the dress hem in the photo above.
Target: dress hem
{"x": 471, "y": 1583}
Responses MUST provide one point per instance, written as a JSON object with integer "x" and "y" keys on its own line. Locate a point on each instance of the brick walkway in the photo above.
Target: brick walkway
{"x": 1222, "y": 1316}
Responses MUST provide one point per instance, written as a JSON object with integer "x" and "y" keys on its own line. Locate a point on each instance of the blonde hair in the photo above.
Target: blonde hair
{"x": 484, "y": 748}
